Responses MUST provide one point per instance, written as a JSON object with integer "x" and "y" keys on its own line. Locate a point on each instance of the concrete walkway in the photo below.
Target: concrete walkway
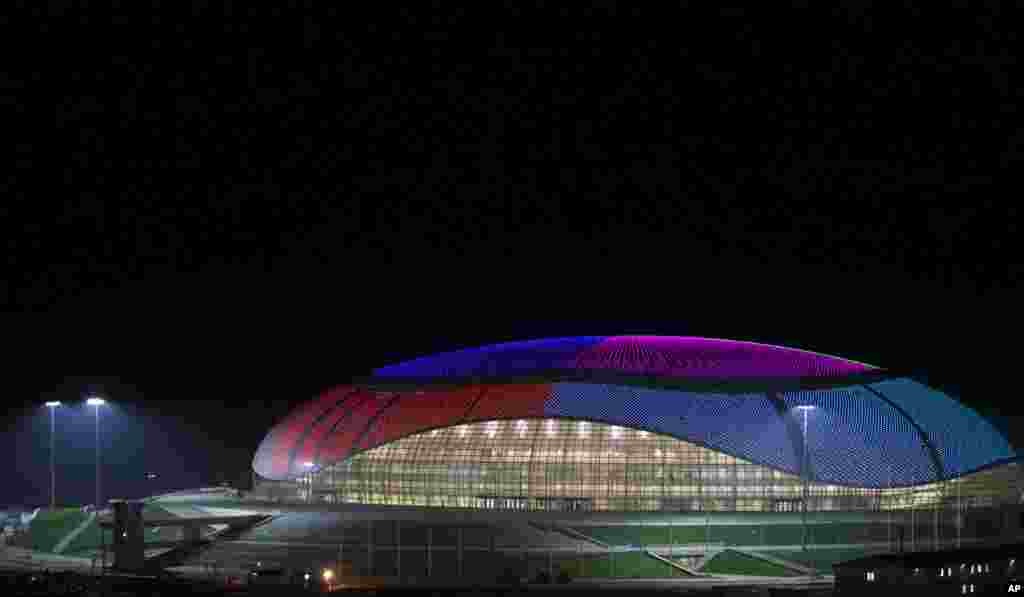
{"x": 16, "y": 558}
{"x": 63, "y": 543}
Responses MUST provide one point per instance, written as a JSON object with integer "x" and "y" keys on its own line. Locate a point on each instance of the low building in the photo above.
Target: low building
{"x": 977, "y": 571}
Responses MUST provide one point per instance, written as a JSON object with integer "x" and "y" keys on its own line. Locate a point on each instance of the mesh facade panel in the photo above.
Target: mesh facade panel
{"x": 322, "y": 425}
{"x": 708, "y": 357}
{"x": 344, "y": 439}
{"x": 511, "y": 358}
{"x": 854, "y": 438}
{"x": 415, "y": 411}
{"x": 861, "y": 433}
{"x": 337, "y": 418}
{"x": 511, "y": 400}
{"x": 288, "y": 433}
{"x": 964, "y": 440}
{"x": 743, "y": 425}
{"x": 638, "y": 355}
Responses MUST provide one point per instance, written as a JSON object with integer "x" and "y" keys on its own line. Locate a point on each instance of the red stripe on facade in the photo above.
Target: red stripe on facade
{"x": 288, "y": 432}
{"x": 339, "y": 444}
{"x": 508, "y": 401}
{"x": 418, "y": 411}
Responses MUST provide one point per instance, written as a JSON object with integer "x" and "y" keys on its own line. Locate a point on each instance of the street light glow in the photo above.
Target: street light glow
{"x": 805, "y": 457}
{"x": 308, "y": 464}
{"x": 52, "y": 406}
{"x": 97, "y": 402}
{"x": 328, "y": 574}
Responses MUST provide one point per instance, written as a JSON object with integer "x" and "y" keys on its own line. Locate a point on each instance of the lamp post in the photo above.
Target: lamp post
{"x": 52, "y": 406}
{"x": 804, "y": 467}
{"x": 309, "y": 480}
{"x": 96, "y": 402}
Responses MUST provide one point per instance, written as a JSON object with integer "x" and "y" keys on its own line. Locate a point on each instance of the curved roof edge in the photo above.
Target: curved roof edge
{"x": 682, "y": 356}
{"x": 719, "y": 385}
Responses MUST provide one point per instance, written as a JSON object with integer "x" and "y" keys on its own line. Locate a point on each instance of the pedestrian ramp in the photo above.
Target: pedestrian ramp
{"x": 684, "y": 569}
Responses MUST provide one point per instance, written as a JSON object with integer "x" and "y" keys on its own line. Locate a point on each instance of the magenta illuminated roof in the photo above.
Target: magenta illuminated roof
{"x": 669, "y": 356}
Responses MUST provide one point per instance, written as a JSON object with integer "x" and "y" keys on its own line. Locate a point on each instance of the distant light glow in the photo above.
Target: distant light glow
{"x": 95, "y": 401}
{"x": 308, "y": 464}
{"x": 53, "y": 403}
{"x": 306, "y": 576}
{"x": 328, "y": 574}
{"x": 806, "y": 407}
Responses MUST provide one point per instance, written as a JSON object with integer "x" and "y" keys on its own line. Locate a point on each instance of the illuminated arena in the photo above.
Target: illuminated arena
{"x": 638, "y": 424}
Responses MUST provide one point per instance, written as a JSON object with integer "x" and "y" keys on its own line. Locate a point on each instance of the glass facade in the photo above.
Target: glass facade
{"x": 578, "y": 465}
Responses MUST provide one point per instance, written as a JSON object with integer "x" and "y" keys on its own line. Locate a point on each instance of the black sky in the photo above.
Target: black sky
{"x": 213, "y": 216}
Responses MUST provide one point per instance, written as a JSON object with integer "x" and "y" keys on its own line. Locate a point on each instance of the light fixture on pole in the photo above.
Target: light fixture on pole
{"x": 309, "y": 479}
{"x": 96, "y": 402}
{"x": 52, "y": 406}
{"x": 804, "y": 465}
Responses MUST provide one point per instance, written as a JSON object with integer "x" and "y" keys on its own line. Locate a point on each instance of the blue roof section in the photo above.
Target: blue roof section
{"x": 676, "y": 357}
{"x": 506, "y": 359}
{"x": 963, "y": 438}
{"x": 854, "y": 437}
{"x": 896, "y": 432}
{"x": 744, "y": 425}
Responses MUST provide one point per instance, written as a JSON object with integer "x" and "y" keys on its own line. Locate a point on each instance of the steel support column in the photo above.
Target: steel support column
{"x": 429, "y": 545}
{"x": 369, "y": 547}
{"x": 551, "y": 574}
{"x": 458, "y": 554}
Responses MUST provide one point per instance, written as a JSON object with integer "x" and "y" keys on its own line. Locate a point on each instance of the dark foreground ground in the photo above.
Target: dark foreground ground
{"x": 44, "y": 583}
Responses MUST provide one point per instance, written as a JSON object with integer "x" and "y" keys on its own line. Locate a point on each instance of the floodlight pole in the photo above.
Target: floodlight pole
{"x": 804, "y": 467}
{"x": 96, "y": 403}
{"x": 959, "y": 514}
{"x": 53, "y": 460}
{"x": 96, "y": 407}
{"x": 888, "y": 508}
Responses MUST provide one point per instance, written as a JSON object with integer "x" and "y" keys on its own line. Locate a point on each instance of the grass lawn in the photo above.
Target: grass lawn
{"x": 626, "y": 565}
{"x": 87, "y": 539}
{"x": 820, "y": 559}
{"x": 739, "y": 534}
{"x": 641, "y": 535}
{"x": 734, "y": 562}
{"x": 50, "y": 526}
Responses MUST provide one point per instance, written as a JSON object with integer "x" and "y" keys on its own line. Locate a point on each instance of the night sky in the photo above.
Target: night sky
{"x": 212, "y": 217}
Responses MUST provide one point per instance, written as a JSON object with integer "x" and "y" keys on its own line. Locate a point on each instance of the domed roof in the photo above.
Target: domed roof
{"x": 866, "y": 427}
{"x": 667, "y": 356}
